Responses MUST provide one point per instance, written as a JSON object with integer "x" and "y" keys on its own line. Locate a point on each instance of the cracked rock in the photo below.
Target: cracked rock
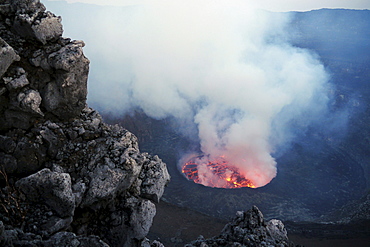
{"x": 52, "y": 188}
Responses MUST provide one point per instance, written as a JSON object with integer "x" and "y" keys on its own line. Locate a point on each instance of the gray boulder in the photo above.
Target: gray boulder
{"x": 7, "y": 56}
{"x": 33, "y": 22}
{"x": 52, "y": 188}
{"x": 154, "y": 177}
{"x": 65, "y": 96}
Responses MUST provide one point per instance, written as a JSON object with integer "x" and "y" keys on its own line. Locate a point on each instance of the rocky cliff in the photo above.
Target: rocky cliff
{"x": 66, "y": 177}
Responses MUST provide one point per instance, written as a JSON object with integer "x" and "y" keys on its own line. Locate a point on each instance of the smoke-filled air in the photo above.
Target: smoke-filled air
{"x": 222, "y": 66}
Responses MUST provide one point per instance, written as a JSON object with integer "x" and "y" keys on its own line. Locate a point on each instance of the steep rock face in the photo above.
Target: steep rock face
{"x": 43, "y": 75}
{"x": 248, "y": 229}
{"x": 66, "y": 177}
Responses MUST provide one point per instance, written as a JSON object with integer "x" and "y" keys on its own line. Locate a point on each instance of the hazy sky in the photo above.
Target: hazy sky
{"x": 273, "y": 5}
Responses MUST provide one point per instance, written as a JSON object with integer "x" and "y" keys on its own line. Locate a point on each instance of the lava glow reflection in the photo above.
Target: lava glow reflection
{"x": 214, "y": 173}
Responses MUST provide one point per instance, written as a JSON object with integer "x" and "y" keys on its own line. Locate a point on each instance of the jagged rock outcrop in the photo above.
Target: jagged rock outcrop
{"x": 93, "y": 180}
{"x": 44, "y": 76}
{"x": 248, "y": 229}
{"x": 67, "y": 178}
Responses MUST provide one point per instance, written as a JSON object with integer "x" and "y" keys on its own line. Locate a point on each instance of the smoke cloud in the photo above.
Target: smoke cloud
{"x": 224, "y": 67}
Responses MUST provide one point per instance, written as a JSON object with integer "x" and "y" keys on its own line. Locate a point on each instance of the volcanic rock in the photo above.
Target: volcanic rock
{"x": 66, "y": 177}
{"x": 248, "y": 229}
{"x": 42, "y": 73}
{"x": 33, "y": 22}
{"x": 17, "y": 237}
{"x": 54, "y": 187}
{"x": 7, "y": 56}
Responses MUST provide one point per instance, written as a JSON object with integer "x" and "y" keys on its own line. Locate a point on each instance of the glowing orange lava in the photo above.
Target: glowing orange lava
{"x": 214, "y": 173}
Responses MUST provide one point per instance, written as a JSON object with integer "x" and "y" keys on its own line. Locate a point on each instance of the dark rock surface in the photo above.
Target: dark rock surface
{"x": 67, "y": 178}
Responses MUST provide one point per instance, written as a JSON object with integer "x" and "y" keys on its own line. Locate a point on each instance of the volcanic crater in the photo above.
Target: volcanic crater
{"x": 320, "y": 171}
{"x": 311, "y": 181}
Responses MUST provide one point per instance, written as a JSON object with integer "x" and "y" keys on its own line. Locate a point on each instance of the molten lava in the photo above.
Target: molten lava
{"x": 214, "y": 173}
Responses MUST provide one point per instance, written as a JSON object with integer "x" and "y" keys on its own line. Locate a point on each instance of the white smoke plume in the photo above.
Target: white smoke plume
{"x": 224, "y": 66}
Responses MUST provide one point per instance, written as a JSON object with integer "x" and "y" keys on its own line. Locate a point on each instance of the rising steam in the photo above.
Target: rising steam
{"x": 222, "y": 65}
